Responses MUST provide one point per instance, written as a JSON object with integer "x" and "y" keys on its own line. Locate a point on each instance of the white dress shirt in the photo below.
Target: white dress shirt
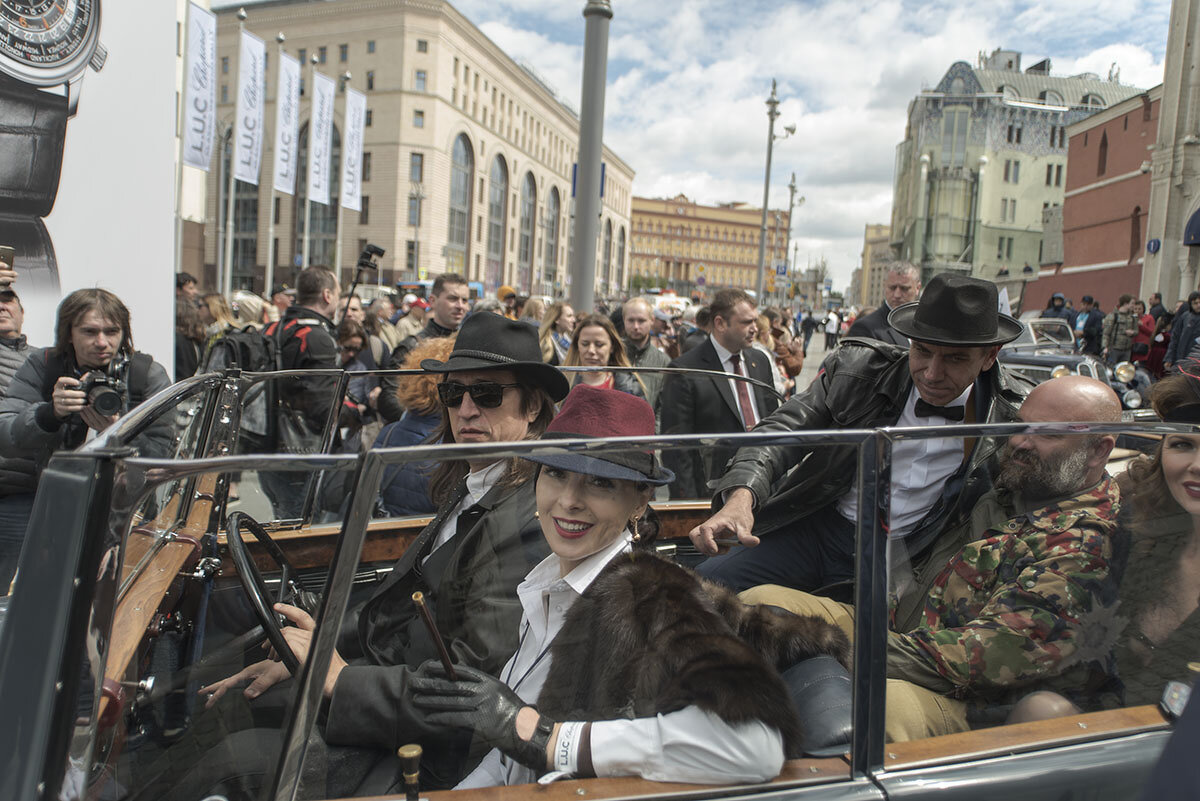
{"x": 727, "y": 365}
{"x": 920, "y": 469}
{"x": 479, "y": 483}
{"x": 689, "y": 745}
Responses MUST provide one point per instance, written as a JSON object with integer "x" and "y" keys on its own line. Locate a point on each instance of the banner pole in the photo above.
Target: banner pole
{"x": 230, "y": 224}
{"x": 269, "y": 273}
{"x": 312, "y": 105}
{"x": 179, "y": 151}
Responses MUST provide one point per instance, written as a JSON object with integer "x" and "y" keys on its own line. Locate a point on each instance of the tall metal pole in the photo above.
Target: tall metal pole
{"x": 179, "y": 166}
{"x": 598, "y": 13}
{"x": 337, "y": 247}
{"x": 269, "y": 275}
{"x": 308, "y": 195}
{"x": 772, "y": 114}
{"x": 230, "y": 225}
{"x": 221, "y": 202}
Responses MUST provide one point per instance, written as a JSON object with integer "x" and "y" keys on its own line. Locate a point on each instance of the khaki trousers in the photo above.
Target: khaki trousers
{"x": 913, "y": 712}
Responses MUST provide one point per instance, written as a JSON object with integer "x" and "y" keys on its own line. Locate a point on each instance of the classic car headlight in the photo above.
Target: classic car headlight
{"x": 1059, "y": 371}
{"x": 1132, "y": 398}
{"x": 1125, "y": 372}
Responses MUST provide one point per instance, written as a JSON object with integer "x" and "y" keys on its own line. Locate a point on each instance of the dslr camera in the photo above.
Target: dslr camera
{"x": 105, "y": 389}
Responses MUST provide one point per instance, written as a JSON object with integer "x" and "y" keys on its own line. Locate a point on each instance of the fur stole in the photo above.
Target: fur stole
{"x": 649, "y": 637}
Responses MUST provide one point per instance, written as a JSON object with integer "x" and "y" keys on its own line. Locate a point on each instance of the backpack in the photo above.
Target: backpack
{"x": 247, "y": 349}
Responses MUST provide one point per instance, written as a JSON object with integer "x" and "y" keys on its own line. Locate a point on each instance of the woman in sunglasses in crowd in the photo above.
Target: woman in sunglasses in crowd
{"x": 595, "y": 343}
{"x": 635, "y": 666}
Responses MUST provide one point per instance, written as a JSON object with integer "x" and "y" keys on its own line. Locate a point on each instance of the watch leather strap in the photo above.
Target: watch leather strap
{"x": 33, "y": 128}
{"x": 33, "y": 255}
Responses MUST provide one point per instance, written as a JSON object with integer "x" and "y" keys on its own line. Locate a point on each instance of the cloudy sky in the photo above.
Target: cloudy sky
{"x": 687, "y": 82}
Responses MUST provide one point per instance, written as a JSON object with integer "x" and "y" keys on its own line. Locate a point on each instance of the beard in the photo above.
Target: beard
{"x": 1037, "y": 478}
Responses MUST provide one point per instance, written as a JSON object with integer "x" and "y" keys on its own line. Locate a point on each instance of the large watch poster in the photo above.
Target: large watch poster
{"x": 87, "y": 129}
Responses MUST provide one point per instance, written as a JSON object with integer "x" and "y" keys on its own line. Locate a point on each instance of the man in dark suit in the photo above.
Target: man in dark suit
{"x": 467, "y": 562}
{"x": 693, "y": 404}
{"x": 796, "y": 527}
{"x": 902, "y": 284}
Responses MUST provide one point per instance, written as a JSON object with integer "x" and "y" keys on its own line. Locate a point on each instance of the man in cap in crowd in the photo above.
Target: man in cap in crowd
{"x": 806, "y": 521}
{"x": 637, "y": 317}
{"x": 407, "y": 324}
{"x": 1015, "y": 594}
{"x": 468, "y": 562}
{"x": 281, "y": 297}
{"x": 901, "y": 285}
{"x": 449, "y": 300}
{"x": 508, "y": 299}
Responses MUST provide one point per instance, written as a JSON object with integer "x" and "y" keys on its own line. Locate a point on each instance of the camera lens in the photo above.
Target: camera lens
{"x": 105, "y": 400}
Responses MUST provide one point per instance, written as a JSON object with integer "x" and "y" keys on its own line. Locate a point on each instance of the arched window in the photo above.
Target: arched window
{"x": 1009, "y": 92}
{"x": 550, "y": 260}
{"x": 603, "y": 272}
{"x": 1102, "y": 159}
{"x": 245, "y": 228}
{"x": 525, "y": 234}
{"x": 324, "y": 216}
{"x": 1051, "y": 98}
{"x": 497, "y": 199}
{"x": 462, "y": 166}
{"x": 1093, "y": 101}
{"x": 621, "y": 258}
{"x": 1135, "y": 234}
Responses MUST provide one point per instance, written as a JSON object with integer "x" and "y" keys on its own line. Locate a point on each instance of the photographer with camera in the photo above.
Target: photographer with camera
{"x": 62, "y": 395}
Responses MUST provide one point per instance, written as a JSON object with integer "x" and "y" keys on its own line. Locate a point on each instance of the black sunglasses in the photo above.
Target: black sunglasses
{"x": 485, "y": 394}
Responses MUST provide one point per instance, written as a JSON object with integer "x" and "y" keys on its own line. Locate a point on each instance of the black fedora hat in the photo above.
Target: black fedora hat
{"x": 597, "y": 413}
{"x": 956, "y": 310}
{"x": 488, "y": 341}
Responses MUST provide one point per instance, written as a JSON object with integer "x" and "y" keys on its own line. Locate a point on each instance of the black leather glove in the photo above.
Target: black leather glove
{"x": 478, "y": 702}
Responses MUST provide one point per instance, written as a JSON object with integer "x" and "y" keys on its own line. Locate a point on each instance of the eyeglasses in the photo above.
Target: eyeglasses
{"x": 349, "y": 349}
{"x": 485, "y": 394}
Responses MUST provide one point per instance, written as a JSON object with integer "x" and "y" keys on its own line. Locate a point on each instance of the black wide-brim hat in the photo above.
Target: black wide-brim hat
{"x": 596, "y": 413}
{"x": 487, "y": 341}
{"x": 956, "y": 311}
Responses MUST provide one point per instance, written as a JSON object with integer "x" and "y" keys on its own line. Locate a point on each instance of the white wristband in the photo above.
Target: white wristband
{"x": 566, "y": 750}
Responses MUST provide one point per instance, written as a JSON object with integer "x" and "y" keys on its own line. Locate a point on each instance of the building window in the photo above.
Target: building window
{"x": 343, "y": 53}
{"x": 954, "y": 137}
{"x": 1102, "y": 159}
{"x": 1004, "y": 209}
{"x": 422, "y": 46}
{"x": 418, "y": 119}
{"x": 497, "y": 197}
{"x": 370, "y": 117}
{"x": 370, "y": 80}
{"x": 602, "y": 272}
{"x": 462, "y": 164}
{"x": 621, "y": 257}
{"x": 1004, "y": 247}
{"x": 419, "y": 81}
{"x": 224, "y": 93}
{"x": 550, "y": 259}
{"x": 1058, "y": 174}
{"x": 410, "y": 257}
{"x": 525, "y": 239}
{"x": 1049, "y": 175}
{"x": 275, "y": 213}
{"x": 416, "y": 168}
{"x": 321, "y": 54}
{"x": 366, "y": 166}
{"x": 364, "y": 213}
{"x": 1014, "y": 134}
{"x": 1012, "y": 171}
{"x": 370, "y": 45}
{"x": 224, "y": 65}
{"x": 1093, "y": 101}
{"x": 414, "y": 210}
{"x": 302, "y": 54}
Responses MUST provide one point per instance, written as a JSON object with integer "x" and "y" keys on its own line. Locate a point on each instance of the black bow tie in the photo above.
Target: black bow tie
{"x": 949, "y": 412}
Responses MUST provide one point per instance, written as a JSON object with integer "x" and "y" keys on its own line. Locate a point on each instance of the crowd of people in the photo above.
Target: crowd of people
{"x": 1026, "y": 581}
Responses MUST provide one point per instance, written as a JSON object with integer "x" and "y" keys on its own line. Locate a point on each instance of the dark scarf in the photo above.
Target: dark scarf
{"x": 650, "y": 637}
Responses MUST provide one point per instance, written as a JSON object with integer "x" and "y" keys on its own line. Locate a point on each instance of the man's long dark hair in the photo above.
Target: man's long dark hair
{"x": 79, "y": 303}
{"x": 447, "y": 474}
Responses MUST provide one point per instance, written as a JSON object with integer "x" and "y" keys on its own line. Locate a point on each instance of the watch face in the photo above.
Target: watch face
{"x": 47, "y": 41}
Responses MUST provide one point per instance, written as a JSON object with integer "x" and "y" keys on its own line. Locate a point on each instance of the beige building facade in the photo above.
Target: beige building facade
{"x": 467, "y": 155}
{"x": 876, "y": 256}
{"x": 682, "y": 245}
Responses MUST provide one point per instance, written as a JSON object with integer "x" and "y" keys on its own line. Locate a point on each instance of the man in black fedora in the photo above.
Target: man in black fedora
{"x": 806, "y": 521}
{"x": 467, "y": 562}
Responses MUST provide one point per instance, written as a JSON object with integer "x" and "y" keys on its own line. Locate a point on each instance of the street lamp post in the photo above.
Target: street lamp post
{"x": 772, "y": 114}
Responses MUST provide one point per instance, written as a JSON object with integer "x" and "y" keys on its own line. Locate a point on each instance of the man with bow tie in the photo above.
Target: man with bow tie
{"x": 801, "y": 535}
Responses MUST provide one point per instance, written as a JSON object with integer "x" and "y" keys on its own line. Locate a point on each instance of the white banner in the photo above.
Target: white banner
{"x": 250, "y": 98}
{"x": 287, "y": 120}
{"x": 321, "y": 131}
{"x": 200, "y": 87}
{"x": 352, "y": 144}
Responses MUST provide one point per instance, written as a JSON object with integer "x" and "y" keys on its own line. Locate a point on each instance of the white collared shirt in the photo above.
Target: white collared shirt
{"x": 479, "y": 483}
{"x": 689, "y": 745}
{"x": 920, "y": 469}
{"x": 727, "y": 365}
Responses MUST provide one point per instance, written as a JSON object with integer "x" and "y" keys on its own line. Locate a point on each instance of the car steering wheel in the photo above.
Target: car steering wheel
{"x": 291, "y": 587}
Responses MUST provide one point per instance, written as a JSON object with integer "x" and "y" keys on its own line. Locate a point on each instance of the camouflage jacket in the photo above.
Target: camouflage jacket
{"x": 1021, "y": 607}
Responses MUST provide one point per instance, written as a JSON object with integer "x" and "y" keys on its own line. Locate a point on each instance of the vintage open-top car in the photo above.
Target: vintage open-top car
{"x": 139, "y": 585}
